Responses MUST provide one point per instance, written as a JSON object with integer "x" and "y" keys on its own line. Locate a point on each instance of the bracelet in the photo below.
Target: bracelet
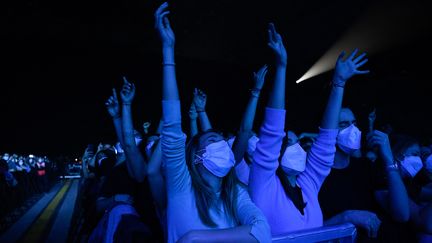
{"x": 255, "y": 92}
{"x": 393, "y": 167}
{"x": 337, "y": 85}
{"x": 168, "y": 64}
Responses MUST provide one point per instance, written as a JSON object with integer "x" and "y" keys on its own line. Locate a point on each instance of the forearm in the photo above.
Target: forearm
{"x": 204, "y": 121}
{"x": 249, "y": 115}
{"x": 118, "y": 129}
{"x": 170, "y": 90}
{"x": 332, "y": 110}
{"x": 338, "y": 219}
{"x": 136, "y": 165}
{"x": 193, "y": 127}
{"x": 235, "y": 235}
{"x": 277, "y": 96}
{"x": 155, "y": 178}
{"x": 398, "y": 201}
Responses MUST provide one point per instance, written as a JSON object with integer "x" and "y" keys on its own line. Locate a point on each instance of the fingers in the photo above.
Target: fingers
{"x": 164, "y": 19}
{"x": 362, "y": 62}
{"x": 353, "y": 54}
{"x": 114, "y": 93}
{"x": 362, "y": 72}
{"x": 357, "y": 59}
{"x": 160, "y": 12}
{"x": 341, "y": 56}
{"x": 271, "y": 33}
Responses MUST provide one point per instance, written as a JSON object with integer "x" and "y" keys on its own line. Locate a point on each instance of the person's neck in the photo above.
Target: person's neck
{"x": 341, "y": 160}
{"x": 215, "y": 183}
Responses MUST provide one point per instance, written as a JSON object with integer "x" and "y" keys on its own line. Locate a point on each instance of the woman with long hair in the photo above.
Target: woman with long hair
{"x": 205, "y": 201}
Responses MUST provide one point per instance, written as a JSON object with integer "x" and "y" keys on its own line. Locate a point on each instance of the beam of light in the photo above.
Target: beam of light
{"x": 382, "y": 28}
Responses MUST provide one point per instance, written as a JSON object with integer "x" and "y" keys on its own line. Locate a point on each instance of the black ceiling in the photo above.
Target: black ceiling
{"x": 63, "y": 58}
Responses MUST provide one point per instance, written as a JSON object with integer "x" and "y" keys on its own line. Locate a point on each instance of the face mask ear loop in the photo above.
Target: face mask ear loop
{"x": 198, "y": 159}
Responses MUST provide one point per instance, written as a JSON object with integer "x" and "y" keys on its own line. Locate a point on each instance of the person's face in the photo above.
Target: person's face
{"x": 208, "y": 138}
{"x": 346, "y": 118}
{"x": 413, "y": 150}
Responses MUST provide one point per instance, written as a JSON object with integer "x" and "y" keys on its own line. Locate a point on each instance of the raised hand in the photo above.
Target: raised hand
{"x": 112, "y": 105}
{"x": 276, "y": 44}
{"x": 128, "y": 92}
{"x": 163, "y": 27}
{"x": 345, "y": 69}
{"x": 372, "y": 118}
{"x": 380, "y": 139}
{"x": 199, "y": 100}
{"x": 193, "y": 115}
{"x": 259, "y": 77}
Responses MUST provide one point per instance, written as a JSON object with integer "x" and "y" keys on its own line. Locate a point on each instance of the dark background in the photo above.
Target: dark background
{"x": 62, "y": 58}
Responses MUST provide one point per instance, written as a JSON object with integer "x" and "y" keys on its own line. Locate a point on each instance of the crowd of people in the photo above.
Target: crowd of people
{"x": 208, "y": 186}
{"x": 21, "y": 177}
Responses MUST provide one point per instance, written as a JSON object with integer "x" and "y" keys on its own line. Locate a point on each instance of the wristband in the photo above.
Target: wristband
{"x": 168, "y": 64}
{"x": 393, "y": 167}
{"x": 198, "y": 111}
{"x": 255, "y": 92}
{"x": 333, "y": 84}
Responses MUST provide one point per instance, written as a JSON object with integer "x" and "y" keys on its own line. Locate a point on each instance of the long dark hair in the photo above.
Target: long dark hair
{"x": 205, "y": 197}
{"x": 292, "y": 193}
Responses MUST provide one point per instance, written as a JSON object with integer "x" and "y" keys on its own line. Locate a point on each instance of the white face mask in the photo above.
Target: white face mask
{"x": 428, "y": 164}
{"x": 349, "y": 139}
{"x": 149, "y": 146}
{"x": 294, "y": 158}
{"x": 217, "y": 158}
{"x": 252, "y": 142}
{"x": 138, "y": 140}
{"x": 412, "y": 165}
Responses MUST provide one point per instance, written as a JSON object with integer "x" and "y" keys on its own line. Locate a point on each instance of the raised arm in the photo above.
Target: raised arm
{"x": 321, "y": 156}
{"x": 169, "y": 82}
{"x": 277, "y": 94}
{"x": 395, "y": 200}
{"x": 113, "y": 108}
{"x": 265, "y": 158}
{"x": 155, "y": 177}
{"x": 344, "y": 70}
{"x": 241, "y": 141}
{"x": 137, "y": 167}
{"x": 173, "y": 139}
{"x": 200, "y": 100}
{"x": 193, "y": 115}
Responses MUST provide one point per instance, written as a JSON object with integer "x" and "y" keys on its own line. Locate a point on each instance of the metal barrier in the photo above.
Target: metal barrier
{"x": 343, "y": 233}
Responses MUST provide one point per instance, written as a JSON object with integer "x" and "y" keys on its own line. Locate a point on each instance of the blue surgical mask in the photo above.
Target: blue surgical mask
{"x": 294, "y": 159}
{"x": 412, "y": 165}
{"x": 349, "y": 139}
{"x": 217, "y": 158}
{"x": 428, "y": 163}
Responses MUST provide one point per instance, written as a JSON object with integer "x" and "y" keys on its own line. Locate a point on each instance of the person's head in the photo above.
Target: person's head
{"x": 406, "y": 150}
{"x": 349, "y": 136}
{"x": 292, "y": 138}
{"x": 292, "y": 158}
{"x": 292, "y": 161}
{"x": 105, "y": 160}
{"x": 6, "y": 156}
{"x": 210, "y": 162}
